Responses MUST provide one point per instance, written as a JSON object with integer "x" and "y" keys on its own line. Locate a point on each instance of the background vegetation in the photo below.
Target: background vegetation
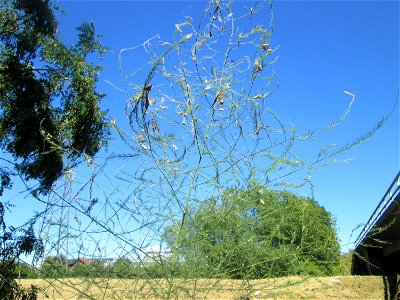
{"x": 256, "y": 233}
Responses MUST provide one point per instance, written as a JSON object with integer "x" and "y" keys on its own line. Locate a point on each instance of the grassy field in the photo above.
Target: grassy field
{"x": 342, "y": 287}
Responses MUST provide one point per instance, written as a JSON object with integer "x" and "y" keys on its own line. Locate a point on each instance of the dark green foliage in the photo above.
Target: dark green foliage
{"x": 13, "y": 243}
{"x": 26, "y": 120}
{"x": 49, "y": 108}
{"x": 59, "y": 267}
{"x": 54, "y": 267}
{"x": 92, "y": 270}
{"x": 345, "y": 264}
{"x": 124, "y": 268}
{"x": 5, "y": 180}
{"x": 25, "y": 271}
{"x": 256, "y": 233}
{"x": 49, "y": 114}
{"x": 88, "y": 41}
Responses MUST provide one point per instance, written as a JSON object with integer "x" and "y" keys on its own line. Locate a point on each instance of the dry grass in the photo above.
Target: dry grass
{"x": 344, "y": 287}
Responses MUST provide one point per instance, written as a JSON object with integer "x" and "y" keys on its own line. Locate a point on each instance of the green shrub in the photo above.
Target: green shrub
{"x": 256, "y": 233}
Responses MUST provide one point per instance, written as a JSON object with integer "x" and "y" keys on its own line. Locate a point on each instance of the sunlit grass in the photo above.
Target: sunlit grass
{"x": 341, "y": 287}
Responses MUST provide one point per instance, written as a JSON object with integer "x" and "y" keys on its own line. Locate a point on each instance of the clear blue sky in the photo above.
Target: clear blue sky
{"x": 325, "y": 48}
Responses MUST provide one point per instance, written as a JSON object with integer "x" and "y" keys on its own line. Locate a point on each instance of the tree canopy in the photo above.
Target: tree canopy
{"x": 256, "y": 233}
{"x": 50, "y": 116}
{"x": 49, "y": 109}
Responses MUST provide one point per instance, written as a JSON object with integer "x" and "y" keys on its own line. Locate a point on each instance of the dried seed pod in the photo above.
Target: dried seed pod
{"x": 265, "y": 46}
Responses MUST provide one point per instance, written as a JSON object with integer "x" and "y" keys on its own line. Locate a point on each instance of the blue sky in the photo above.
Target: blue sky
{"x": 325, "y": 48}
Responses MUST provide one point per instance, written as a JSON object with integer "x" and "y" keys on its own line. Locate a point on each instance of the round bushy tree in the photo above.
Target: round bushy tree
{"x": 256, "y": 233}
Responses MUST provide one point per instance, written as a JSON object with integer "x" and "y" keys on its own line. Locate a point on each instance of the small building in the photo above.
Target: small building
{"x": 154, "y": 254}
{"x": 106, "y": 262}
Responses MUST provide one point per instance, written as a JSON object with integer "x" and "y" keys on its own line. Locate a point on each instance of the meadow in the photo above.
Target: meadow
{"x": 339, "y": 287}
